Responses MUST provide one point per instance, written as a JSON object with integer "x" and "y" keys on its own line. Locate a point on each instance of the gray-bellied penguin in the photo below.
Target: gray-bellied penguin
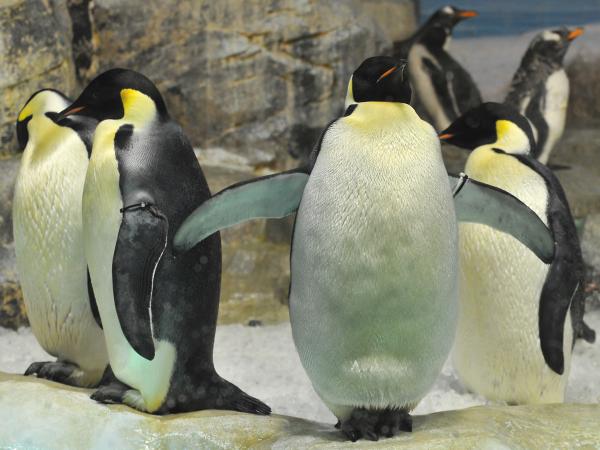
{"x": 373, "y": 295}
{"x": 159, "y": 309}
{"x": 540, "y": 88}
{"x": 442, "y": 87}
{"x": 48, "y": 232}
{"x": 514, "y": 335}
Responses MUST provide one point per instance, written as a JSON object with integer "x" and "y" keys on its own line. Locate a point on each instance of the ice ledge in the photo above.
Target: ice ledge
{"x": 44, "y": 415}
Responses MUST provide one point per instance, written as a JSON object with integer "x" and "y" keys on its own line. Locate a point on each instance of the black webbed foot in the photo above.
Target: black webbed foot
{"x": 59, "y": 371}
{"x": 113, "y": 392}
{"x": 373, "y": 424}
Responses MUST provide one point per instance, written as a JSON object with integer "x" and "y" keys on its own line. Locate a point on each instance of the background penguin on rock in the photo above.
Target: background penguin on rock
{"x": 159, "y": 310}
{"x": 514, "y": 335}
{"x": 540, "y": 88}
{"x": 373, "y": 292}
{"x": 443, "y": 88}
{"x": 48, "y": 236}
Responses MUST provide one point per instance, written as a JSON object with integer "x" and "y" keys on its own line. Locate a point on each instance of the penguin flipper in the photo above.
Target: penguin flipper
{"x": 140, "y": 246}
{"x": 273, "y": 196}
{"x": 481, "y": 203}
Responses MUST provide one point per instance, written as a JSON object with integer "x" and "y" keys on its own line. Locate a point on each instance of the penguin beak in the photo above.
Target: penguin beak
{"x": 386, "y": 73}
{"x": 466, "y": 14}
{"x": 69, "y": 111}
{"x": 445, "y": 136}
{"x": 575, "y": 33}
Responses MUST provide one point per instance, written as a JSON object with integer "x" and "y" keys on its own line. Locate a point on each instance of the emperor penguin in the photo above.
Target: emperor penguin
{"x": 442, "y": 87}
{"x": 48, "y": 233}
{"x": 373, "y": 294}
{"x": 158, "y": 309}
{"x": 540, "y": 88}
{"x": 518, "y": 314}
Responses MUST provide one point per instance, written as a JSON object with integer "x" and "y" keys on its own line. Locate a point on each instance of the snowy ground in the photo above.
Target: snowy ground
{"x": 263, "y": 362}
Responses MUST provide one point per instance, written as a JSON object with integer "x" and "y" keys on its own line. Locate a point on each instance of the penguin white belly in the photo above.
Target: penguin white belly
{"x": 421, "y": 81}
{"x": 49, "y": 249}
{"x": 374, "y": 278}
{"x": 101, "y": 221}
{"x": 497, "y": 351}
{"x": 555, "y": 110}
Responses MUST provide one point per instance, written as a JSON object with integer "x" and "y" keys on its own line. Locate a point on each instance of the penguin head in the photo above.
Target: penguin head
{"x": 379, "y": 79}
{"x": 552, "y": 45}
{"x": 495, "y": 124}
{"x": 439, "y": 26}
{"x": 108, "y": 95}
{"x": 43, "y": 102}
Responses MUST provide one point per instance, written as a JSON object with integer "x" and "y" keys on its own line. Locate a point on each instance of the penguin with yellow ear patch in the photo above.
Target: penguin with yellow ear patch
{"x": 518, "y": 314}
{"x": 373, "y": 290}
{"x": 48, "y": 234}
{"x": 159, "y": 309}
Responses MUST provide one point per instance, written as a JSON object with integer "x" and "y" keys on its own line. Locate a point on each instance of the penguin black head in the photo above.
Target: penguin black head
{"x": 104, "y": 97}
{"x": 491, "y": 123}
{"x": 439, "y": 26}
{"x": 44, "y": 101}
{"x": 380, "y": 79}
{"x": 551, "y": 45}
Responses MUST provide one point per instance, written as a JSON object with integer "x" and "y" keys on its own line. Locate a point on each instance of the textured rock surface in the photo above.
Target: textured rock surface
{"x": 41, "y": 414}
{"x": 35, "y": 52}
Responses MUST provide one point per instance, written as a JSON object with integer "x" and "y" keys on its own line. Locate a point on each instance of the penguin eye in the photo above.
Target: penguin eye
{"x": 473, "y": 122}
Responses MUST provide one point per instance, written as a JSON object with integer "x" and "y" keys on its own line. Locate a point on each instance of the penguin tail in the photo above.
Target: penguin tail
{"x": 233, "y": 398}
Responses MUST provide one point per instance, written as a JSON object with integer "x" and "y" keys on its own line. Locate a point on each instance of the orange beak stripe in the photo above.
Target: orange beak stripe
{"x": 467, "y": 14}
{"x": 445, "y": 136}
{"x": 386, "y": 73}
{"x": 575, "y": 33}
{"x": 73, "y": 111}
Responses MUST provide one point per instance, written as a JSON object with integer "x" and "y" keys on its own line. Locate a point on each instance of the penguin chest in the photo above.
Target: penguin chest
{"x": 102, "y": 203}
{"x": 373, "y": 265}
{"x": 555, "y": 105}
{"x": 49, "y": 246}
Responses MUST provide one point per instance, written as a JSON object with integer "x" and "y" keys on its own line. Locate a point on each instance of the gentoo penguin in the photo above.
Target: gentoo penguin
{"x": 540, "y": 88}
{"x": 159, "y": 310}
{"x": 49, "y": 241}
{"x": 373, "y": 295}
{"x": 443, "y": 88}
{"x": 514, "y": 335}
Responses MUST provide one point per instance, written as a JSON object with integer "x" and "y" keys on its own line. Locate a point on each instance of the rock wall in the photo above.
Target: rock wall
{"x": 254, "y": 80}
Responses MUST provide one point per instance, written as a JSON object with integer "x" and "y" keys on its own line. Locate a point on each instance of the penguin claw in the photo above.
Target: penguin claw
{"x": 35, "y": 367}
{"x": 373, "y": 424}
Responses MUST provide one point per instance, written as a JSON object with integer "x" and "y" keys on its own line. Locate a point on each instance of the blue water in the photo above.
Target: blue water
{"x": 504, "y": 17}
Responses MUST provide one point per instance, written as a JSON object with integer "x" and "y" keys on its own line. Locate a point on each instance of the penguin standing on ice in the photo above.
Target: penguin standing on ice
{"x": 515, "y": 335}
{"x": 373, "y": 294}
{"x": 159, "y": 310}
{"x": 442, "y": 87}
{"x": 48, "y": 233}
{"x": 540, "y": 88}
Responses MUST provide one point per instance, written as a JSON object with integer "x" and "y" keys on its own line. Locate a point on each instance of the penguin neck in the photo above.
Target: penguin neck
{"x": 139, "y": 109}
{"x": 510, "y": 139}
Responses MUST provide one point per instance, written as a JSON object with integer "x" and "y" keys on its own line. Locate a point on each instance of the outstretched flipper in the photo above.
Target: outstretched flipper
{"x": 270, "y": 197}
{"x": 481, "y": 203}
{"x": 140, "y": 246}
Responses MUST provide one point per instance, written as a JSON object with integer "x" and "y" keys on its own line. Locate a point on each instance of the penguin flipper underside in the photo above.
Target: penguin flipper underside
{"x": 140, "y": 246}
{"x": 272, "y": 197}
{"x": 481, "y": 203}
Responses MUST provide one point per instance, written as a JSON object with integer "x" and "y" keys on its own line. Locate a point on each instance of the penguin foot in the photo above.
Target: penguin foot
{"x": 231, "y": 397}
{"x": 111, "y": 393}
{"x": 373, "y": 424}
{"x": 586, "y": 333}
{"x": 60, "y": 371}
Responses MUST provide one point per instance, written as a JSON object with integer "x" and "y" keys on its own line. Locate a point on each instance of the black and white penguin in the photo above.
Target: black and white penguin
{"x": 442, "y": 87}
{"x": 159, "y": 310}
{"x": 373, "y": 294}
{"x": 540, "y": 88}
{"x": 514, "y": 335}
{"x": 48, "y": 235}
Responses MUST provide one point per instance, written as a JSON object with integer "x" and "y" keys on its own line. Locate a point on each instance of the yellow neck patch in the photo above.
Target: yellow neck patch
{"x": 511, "y": 138}
{"x": 139, "y": 108}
